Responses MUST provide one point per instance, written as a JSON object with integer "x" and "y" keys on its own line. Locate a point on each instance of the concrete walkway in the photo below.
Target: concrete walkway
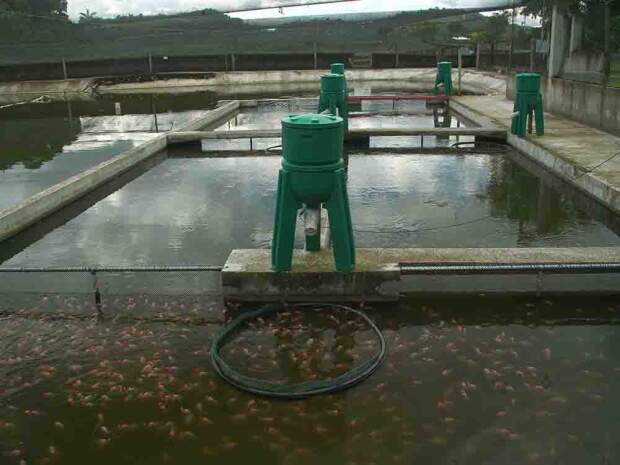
{"x": 569, "y": 149}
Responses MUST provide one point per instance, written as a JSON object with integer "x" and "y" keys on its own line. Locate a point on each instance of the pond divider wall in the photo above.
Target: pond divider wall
{"x": 46, "y": 202}
{"x": 380, "y": 274}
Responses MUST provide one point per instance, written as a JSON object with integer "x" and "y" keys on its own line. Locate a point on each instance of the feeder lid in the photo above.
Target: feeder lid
{"x": 528, "y": 82}
{"x": 337, "y": 68}
{"x": 331, "y": 82}
{"x": 312, "y": 120}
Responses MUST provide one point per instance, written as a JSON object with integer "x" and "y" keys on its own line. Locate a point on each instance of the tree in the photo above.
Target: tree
{"x": 592, "y": 12}
{"x": 35, "y": 7}
{"x": 88, "y": 16}
{"x": 427, "y": 31}
{"x": 46, "y": 7}
{"x": 496, "y": 29}
{"x": 456, "y": 28}
{"x": 615, "y": 33}
{"x": 478, "y": 37}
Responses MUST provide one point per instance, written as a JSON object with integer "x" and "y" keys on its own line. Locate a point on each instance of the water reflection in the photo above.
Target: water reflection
{"x": 34, "y": 142}
{"x": 372, "y": 114}
{"x": 420, "y": 201}
{"x": 38, "y": 151}
{"x": 540, "y": 212}
{"x": 197, "y": 210}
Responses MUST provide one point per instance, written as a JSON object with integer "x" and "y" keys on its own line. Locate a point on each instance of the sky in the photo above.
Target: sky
{"x": 107, "y": 8}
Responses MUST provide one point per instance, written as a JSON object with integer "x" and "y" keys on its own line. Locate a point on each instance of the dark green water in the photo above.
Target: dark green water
{"x": 467, "y": 381}
{"x": 196, "y": 210}
{"x": 42, "y": 145}
{"x": 464, "y": 381}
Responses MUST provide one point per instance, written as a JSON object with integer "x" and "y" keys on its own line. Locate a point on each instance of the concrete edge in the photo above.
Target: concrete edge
{"x": 486, "y": 255}
{"x": 36, "y": 207}
{"x": 593, "y": 186}
{"x": 178, "y": 137}
{"x": 247, "y": 275}
{"x": 472, "y": 116}
{"x": 386, "y": 259}
{"x": 473, "y": 81}
{"x": 11, "y": 92}
{"x": 42, "y": 204}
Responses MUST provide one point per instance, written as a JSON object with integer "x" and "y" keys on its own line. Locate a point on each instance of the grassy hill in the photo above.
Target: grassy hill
{"x": 29, "y": 40}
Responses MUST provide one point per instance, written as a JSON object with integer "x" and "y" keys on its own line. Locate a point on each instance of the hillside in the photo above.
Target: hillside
{"x": 202, "y": 33}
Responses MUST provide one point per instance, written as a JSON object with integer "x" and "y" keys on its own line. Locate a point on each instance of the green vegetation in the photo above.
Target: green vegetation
{"x": 614, "y": 78}
{"x": 26, "y": 39}
{"x": 615, "y": 32}
{"x": 57, "y": 8}
{"x": 593, "y": 14}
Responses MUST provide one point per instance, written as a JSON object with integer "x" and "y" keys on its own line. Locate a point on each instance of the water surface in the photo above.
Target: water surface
{"x": 42, "y": 145}
{"x": 196, "y": 210}
{"x": 464, "y": 381}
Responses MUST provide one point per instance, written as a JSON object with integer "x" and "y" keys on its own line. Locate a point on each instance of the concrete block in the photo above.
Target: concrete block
{"x": 247, "y": 276}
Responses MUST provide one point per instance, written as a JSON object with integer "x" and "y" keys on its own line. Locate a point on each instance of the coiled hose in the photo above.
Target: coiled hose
{"x": 304, "y": 389}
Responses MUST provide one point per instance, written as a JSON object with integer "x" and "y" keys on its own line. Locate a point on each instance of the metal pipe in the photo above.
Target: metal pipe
{"x": 312, "y": 218}
{"x": 326, "y": 233}
{"x": 460, "y": 63}
{"x": 506, "y": 268}
{"x": 110, "y": 269}
{"x": 359, "y": 98}
{"x": 281, "y": 6}
{"x": 64, "y": 69}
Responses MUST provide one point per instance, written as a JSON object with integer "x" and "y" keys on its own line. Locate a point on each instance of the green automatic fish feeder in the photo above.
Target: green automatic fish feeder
{"x": 528, "y": 101}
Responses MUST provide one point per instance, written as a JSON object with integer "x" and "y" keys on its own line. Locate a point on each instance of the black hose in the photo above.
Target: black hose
{"x": 506, "y": 268}
{"x": 301, "y": 390}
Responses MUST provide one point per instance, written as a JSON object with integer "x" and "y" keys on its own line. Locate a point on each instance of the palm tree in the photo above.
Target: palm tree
{"x": 88, "y": 16}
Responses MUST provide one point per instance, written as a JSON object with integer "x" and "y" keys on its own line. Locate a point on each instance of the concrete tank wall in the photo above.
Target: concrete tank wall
{"x": 239, "y": 83}
{"x": 584, "y": 65}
